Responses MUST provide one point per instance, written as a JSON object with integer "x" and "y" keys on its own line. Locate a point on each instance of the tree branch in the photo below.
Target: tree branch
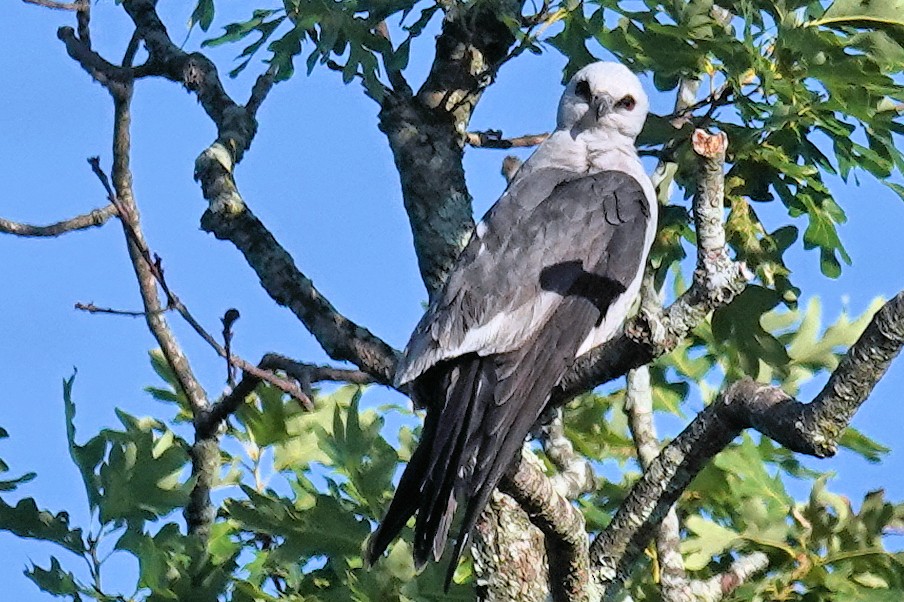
{"x": 229, "y": 218}
{"x": 562, "y": 525}
{"x": 721, "y": 586}
{"x": 91, "y": 308}
{"x": 95, "y": 218}
{"x": 74, "y": 6}
{"x": 575, "y": 475}
{"x": 102, "y": 71}
{"x": 673, "y": 581}
{"x": 504, "y": 537}
{"x": 494, "y": 139}
{"x": 304, "y": 374}
{"x": 199, "y": 512}
{"x": 426, "y": 132}
{"x": 812, "y": 429}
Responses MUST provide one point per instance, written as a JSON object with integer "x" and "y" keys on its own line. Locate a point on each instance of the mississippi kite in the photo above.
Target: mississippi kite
{"x": 550, "y": 272}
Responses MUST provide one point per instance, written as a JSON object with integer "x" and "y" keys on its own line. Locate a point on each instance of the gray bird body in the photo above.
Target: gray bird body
{"x": 550, "y": 272}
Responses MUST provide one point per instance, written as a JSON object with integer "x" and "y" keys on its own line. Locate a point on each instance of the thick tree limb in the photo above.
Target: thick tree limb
{"x": 228, "y": 218}
{"x": 563, "y": 527}
{"x": 509, "y": 554}
{"x": 116, "y": 79}
{"x": 95, "y": 218}
{"x": 194, "y": 71}
{"x": 426, "y": 132}
{"x": 811, "y": 428}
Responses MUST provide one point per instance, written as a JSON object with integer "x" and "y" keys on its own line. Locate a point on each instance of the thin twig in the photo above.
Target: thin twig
{"x": 95, "y": 218}
{"x": 494, "y": 139}
{"x": 228, "y": 320}
{"x": 78, "y": 5}
{"x": 303, "y": 373}
{"x": 155, "y": 268}
{"x": 91, "y": 308}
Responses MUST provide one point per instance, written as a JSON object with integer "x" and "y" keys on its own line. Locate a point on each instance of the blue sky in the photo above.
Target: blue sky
{"x": 321, "y": 176}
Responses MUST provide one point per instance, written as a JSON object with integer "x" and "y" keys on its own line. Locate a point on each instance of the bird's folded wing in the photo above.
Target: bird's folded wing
{"x": 553, "y": 233}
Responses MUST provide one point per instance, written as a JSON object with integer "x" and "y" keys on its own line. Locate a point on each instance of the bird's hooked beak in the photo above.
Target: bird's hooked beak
{"x": 601, "y": 104}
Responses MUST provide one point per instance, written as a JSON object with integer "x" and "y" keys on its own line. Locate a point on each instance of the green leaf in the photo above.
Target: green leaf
{"x": 54, "y": 580}
{"x": 707, "y": 540}
{"x": 863, "y": 446}
{"x": 862, "y": 13}
{"x": 25, "y": 519}
{"x": 202, "y": 15}
{"x": 87, "y": 457}
{"x": 141, "y": 478}
{"x": 266, "y": 423}
{"x": 11, "y": 484}
{"x": 896, "y": 188}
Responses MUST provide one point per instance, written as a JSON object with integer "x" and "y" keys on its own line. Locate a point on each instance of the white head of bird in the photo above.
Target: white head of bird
{"x": 605, "y": 96}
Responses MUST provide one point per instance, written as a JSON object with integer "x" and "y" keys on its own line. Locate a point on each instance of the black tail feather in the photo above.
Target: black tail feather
{"x": 405, "y": 501}
{"x": 488, "y": 406}
{"x": 467, "y": 384}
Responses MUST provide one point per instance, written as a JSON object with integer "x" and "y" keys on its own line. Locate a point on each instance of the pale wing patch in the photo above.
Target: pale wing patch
{"x": 503, "y": 332}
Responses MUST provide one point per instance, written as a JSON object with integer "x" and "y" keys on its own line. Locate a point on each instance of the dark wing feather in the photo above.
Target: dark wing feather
{"x": 531, "y": 228}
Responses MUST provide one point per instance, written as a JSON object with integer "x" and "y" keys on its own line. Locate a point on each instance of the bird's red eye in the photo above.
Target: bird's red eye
{"x": 626, "y": 102}
{"x": 582, "y": 89}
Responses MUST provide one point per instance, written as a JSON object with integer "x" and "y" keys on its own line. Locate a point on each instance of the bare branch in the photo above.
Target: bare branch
{"x": 494, "y": 139}
{"x": 303, "y": 373}
{"x": 95, "y": 218}
{"x": 721, "y": 586}
{"x": 562, "y": 524}
{"x": 575, "y": 476}
{"x": 261, "y": 89}
{"x": 811, "y": 428}
{"x": 116, "y": 79}
{"x": 94, "y": 309}
{"x": 228, "y": 320}
{"x": 673, "y": 580}
{"x": 229, "y": 218}
{"x": 74, "y": 6}
{"x": 313, "y": 373}
{"x": 205, "y": 452}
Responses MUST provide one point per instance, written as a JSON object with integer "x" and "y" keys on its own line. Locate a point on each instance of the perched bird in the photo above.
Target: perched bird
{"x": 550, "y": 272}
